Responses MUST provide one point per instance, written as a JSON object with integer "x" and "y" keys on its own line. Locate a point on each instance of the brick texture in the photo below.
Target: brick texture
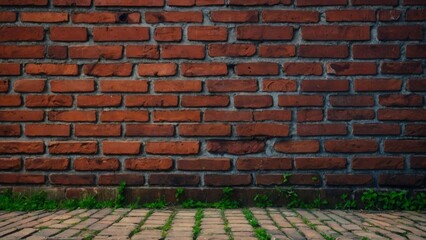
{"x": 213, "y": 93}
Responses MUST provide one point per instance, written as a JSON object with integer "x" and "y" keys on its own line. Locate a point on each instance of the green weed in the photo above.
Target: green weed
{"x": 262, "y": 201}
{"x": 197, "y": 226}
{"x": 260, "y": 232}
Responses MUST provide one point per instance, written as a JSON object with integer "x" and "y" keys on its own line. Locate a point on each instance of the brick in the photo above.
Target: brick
{"x": 262, "y": 129}
{"x": 232, "y": 85}
{"x": 10, "y": 164}
{"x": 46, "y": 164}
{"x": 204, "y": 130}
{"x": 174, "y": 17}
{"x": 351, "y": 101}
{"x": 8, "y": 17}
{"x": 234, "y": 16}
{"x": 174, "y": 179}
{"x": 72, "y": 179}
{"x": 12, "y": 34}
{"x": 416, "y": 51}
{"x": 321, "y": 129}
{"x": 231, "y": 50}
{"x": 375, "y": 2}
{"x": 415, "y": 15}
{"x": 168, "y": 34}
{"x": 350, "y": 15}
{"x": 216, "y": 180}
{"x": 323, "y": 51}
{"x": 108, "y": 69}
{"x": 351, "y": 68}
{"x": 22, "y": 178}
{"x": 375, "y": 51}
{"x": 10, "y": 69}
{"x": 10, "y": 130}
{"x": 336, "y": 33}
{"x": 272, "y": 115}
{"x": 174, "y": 148}
{"x": 68, "y": 34}
{"x": 4, "y": 85}
{"x": 72, "y": 116}
{"x": 47, "y": 130}
{"x": 302, "y": 68}
{"x": 377, "y": 85}
{"x": 351, "y": 146}
{"x": 117, "y": 179}
{"x": 349, "y": 114}
{"x": 204, "y": 69}
{"x": 401, "y": 180}
{"x": 10, "y": 101}
{"x": 98, "y": 101}
{"x": 149, "y": 164}
{"x": 207, "y": 33}
{"x": 405, "y": 146}
{"x": 418, "y": 162}
{"x": 308, "y": 3}
{"x": 227, "y": 116}
{"x": 124, "y": 116}
{"x": 157, "y": 69}
{"x": 376, "y": 129}
{"x": 294, "y": 179}
{"x": 309, "y": 115}
{"x": 279, "y": 85}
{"x": 144, "y": 51}
{"x": 22, "y": 51}
{"x": 52, "y": 69}
{"x": 209, "y": 2}
{"x": 57, "y": 52}
{"x": 48, "y": 101}
{"x": 151, "y": 101}
{"x": 182, "y": 51}
{"x": 264, "y": 32}
{"x": 176, "y": 116}
{"x": 416, "y": 85}
{"x": 253, "y": 101}
{"x": 95, "y": 52}
{"x": 258, "y": 2}
{"x": 374, "y": 163}
{"x": 96, "y": 164}
{"x": 73, "y": 147}
{"x": 415, "y": 130}
{"x": 205, "y": 101}
{"x": 97, "y": 130}
{"x": 297, "y": 146}
{"x": 118, "y": 34}
{"x": 396, "y": 100}
{"x": 277, "y": 51}
{"x": 150, "y": 130}
{"x": 106, "y": 17}
{"x": 401, "y": 114}
{"x": 320, "y": 163}
{"x": 413, "y": 2}
{"x": 133, "y": 86}
{"x": 348, "y": 179}
{"x": 21, "y": 116}
{"x": 71, "y": 86}
{"x": 401, "y": 68}
{"x": 204, "y": 164}
{"x": 129, "y": 3}
{"x": 70, "y": 3}
{"x": 181, "y": 3}
{"x": 235, "y": 147}
{"x": 21, "y": 147}
{"x": 325, "y": 85}
{"x": 44, "y": 17}
{"x": 389, "y": 15}
{"x": 254, "y": 69}
{"x": 164, "y": 86}
{"x": 400, "y": 32}
{"x": 290, "y": 16}
{"x": 248, "y": 164}
{"x": 29, "y": 85}
{"x": 300, "y": 101}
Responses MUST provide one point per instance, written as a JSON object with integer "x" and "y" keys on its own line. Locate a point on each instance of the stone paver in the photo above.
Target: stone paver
{"x": 218, "y": 224}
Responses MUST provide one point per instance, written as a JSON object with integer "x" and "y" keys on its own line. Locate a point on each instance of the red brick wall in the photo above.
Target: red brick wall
{"x": 211, "y": 93}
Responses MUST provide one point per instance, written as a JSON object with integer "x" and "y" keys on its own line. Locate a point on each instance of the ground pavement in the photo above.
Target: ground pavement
{"x": 215, "y": 224}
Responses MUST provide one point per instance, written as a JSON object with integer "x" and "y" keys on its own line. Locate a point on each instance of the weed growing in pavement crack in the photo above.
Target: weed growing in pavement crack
{"x": 226, "y": 223}
{"x": 166, "y": 227}
{"x": 260, "y": 232}
{"x": 197, "y": 225}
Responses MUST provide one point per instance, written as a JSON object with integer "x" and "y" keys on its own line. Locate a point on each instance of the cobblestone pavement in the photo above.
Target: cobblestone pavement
{"x": 215, "y": 224}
